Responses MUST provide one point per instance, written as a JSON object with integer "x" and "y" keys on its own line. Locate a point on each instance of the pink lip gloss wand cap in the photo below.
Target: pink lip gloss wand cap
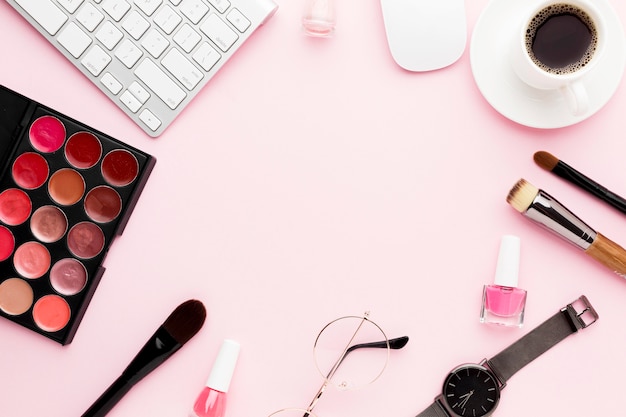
{"x": 212, "y": 400}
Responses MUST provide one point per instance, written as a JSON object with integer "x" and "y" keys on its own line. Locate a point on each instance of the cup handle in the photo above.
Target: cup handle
{"x": 576, "y": 96}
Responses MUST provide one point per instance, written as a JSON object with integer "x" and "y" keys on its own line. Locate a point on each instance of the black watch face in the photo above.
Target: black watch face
{"x": 471, "y": 391}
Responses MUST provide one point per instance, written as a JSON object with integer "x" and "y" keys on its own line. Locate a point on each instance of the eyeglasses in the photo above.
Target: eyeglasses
{"x": 369, "y": 350}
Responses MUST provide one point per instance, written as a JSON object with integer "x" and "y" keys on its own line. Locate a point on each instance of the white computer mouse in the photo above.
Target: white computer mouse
{"x": 425, "y": 35}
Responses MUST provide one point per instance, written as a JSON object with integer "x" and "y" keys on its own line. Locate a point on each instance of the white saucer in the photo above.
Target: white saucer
{"x": 521, "y": 103}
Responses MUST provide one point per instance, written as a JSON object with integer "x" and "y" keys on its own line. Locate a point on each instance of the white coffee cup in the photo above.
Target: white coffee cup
{"x": 552, "y": 52}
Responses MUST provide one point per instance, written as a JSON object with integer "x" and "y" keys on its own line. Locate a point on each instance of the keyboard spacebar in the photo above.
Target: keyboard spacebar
{"x": 159, "y": 82}
{"x": 46, "y": 13}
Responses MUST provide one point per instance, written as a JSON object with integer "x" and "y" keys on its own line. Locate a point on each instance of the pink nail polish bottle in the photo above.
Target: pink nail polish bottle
{"x": 212, "y": 400}
{"x": 503, "y": 302}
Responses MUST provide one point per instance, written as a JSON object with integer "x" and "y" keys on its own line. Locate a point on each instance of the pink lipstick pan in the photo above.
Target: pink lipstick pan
{"x": 66, "y": 191}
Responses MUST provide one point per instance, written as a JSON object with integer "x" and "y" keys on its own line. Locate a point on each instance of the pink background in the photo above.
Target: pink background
{"x": 314, "y": 179}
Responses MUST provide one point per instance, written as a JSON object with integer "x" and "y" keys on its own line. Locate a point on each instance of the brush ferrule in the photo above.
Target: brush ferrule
{"x": 551, "y": 214}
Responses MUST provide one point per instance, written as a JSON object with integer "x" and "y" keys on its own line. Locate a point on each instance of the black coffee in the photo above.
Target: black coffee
{"x": 561, "y": 38}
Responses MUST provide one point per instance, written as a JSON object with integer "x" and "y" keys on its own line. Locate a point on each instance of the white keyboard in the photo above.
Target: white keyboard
{"x": 151, "y": 57}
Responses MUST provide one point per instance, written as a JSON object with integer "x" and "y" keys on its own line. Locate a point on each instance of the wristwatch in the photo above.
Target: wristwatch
{"x": 473, "y": 390}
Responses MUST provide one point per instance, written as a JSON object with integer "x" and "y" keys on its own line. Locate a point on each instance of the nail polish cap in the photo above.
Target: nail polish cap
{"x": 507, "y": 268}
{"x": 224, "y": 366}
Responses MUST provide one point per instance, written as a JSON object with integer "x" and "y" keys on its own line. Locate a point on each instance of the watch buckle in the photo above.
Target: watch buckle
{"x": 581, "y": 312}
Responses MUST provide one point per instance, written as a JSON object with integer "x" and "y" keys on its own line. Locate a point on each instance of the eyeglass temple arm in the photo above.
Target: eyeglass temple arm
{"x": 395, "y": 344}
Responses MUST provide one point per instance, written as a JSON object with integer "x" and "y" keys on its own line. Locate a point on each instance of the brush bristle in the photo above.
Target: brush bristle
{"x": 545, "y": 160}
{"x": 522, "y": 195}
{"x": 185, "y": 321}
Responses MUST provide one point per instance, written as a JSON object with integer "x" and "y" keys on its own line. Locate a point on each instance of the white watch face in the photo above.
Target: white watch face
{"x": 471, "y": 391}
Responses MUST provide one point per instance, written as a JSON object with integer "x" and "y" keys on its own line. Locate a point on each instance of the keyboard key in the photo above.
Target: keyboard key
{"x": 74, "y": 39}
{"x": 150, "y": 119}
{"x": 139, "y": 92}
{"x": 89, "y": 17}
{"x": 96, "y": 60}
{"x": 128, "y": 53}
{"x": 109, "y": 35}
{"x": 184, "y": 71}
{"x": 46, "y": 13}
{"x": 116, "y": 8}
{"x": 111, "y": 83}
{"x": 135, "y": 25}
{"x": 70, "y": 5}
{"x": 148, "y": 6}
{"x": 187, "y": 38}
{"x": 155, "y": 43}
{"x": 219, "y": 32}
{"x": 220, "y": 5}
{"x": 206, "y": 56}
{"x": 130, "y": 101}
{"x": 238, "y": 20}
{"x": 159, "y": 82}
{"x": 167, "y": 19}
{"x": 194, "y": 10}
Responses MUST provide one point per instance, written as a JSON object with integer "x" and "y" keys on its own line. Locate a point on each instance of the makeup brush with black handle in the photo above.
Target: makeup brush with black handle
{"x": 553, "y": 164}
{"x": 181, "y": 325}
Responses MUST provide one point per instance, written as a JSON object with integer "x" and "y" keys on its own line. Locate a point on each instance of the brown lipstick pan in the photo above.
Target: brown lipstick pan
{"x": 66, "y": 192}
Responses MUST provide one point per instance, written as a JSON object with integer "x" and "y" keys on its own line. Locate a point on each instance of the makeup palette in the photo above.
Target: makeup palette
{"x": 66, "y": 191}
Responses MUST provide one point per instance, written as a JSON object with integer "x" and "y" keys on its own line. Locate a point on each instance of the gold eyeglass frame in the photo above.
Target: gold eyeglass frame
{"x": 398, "y": 343}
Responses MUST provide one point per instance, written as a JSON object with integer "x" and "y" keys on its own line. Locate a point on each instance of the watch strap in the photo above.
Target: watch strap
{"x": 435, "y": 410}
{"x": 575, "y": 316}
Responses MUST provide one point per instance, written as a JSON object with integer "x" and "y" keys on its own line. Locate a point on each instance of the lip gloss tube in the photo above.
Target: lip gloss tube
{"x": 211, "y": 401}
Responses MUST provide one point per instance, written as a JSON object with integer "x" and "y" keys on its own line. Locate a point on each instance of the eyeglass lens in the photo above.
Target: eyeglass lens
{"x": 355, "y": 368}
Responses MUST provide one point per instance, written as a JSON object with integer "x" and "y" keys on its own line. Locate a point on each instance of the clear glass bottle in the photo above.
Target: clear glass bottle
{"x": 318, "y": 18}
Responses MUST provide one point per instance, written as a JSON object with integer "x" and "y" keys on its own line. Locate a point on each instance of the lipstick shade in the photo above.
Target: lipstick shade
{"x": 15, "y": 207}
{"x": 16, "y": 296}
{"x": 7, "y": 243}
{"x": 30, "y": 170}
